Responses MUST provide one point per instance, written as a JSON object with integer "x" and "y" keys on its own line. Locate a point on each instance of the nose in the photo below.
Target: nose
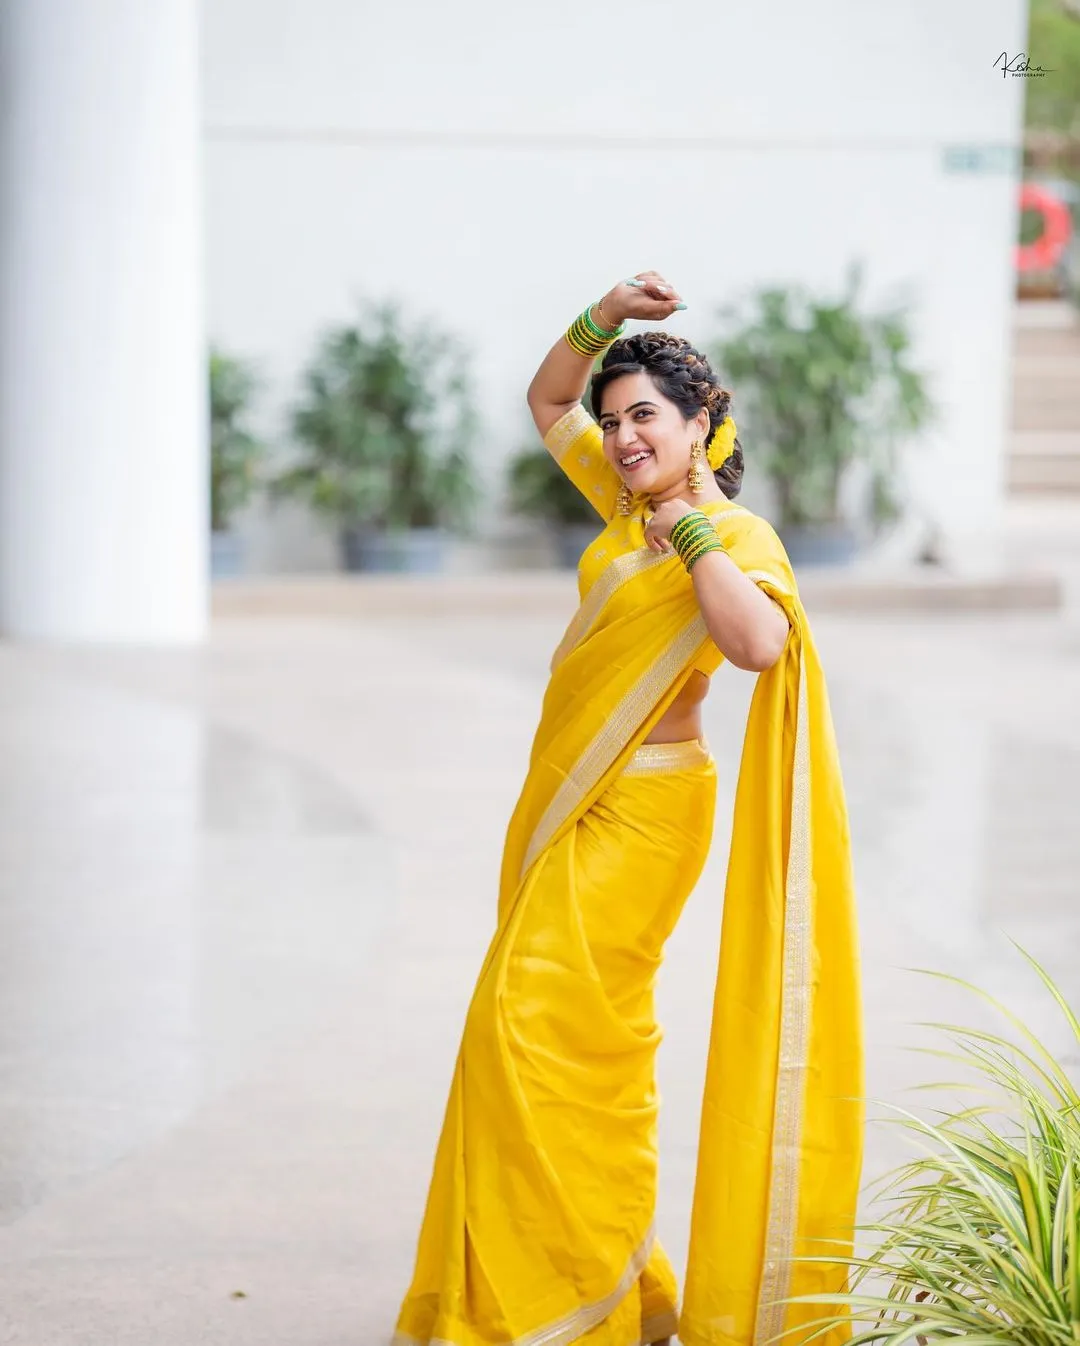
{"x": 626, "y": 435}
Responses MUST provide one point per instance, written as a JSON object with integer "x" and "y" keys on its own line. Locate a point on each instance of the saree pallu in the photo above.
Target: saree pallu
{"x": 539, "y": 1223}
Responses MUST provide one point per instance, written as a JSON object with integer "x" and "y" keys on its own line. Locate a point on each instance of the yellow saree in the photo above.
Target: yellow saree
{"x": 538, "y": 1229}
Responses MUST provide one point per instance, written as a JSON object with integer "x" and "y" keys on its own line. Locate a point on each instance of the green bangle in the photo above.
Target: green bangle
{"x": 689, "y": 537}
{"x": 695, "y": 549}
{"x": 693, "y": 560}
{"x": 686, "y": 535}
{"x": 601, "y": 333}
{"x": 687, "y": 543}
{"x": 696, "y": 518}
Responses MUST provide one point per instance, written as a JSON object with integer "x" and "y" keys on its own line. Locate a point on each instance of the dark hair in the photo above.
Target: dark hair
{"x": 684, "y": 376}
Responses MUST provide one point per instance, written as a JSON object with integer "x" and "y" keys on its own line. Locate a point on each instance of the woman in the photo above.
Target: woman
{"x": 539, "y": 1221}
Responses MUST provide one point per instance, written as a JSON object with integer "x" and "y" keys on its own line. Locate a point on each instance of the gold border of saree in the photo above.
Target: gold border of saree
{"x": 621, "y": 571}
{"x": 794, "y": 1045}
{"x": 627, "y": 716}
{"x": 574, "y": 1325}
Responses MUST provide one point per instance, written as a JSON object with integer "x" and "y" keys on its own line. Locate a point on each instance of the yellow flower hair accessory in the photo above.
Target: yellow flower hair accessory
{"x": 722, "y": 443}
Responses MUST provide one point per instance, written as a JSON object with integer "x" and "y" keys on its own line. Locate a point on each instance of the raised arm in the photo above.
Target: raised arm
{"x": 563, "y": 376}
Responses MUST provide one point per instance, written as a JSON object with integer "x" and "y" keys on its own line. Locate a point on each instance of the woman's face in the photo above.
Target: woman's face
{"x": 646, "y": 439}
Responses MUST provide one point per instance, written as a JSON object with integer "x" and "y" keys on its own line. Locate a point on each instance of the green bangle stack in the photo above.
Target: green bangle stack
{"x": 587, "y": 338}
{"x": 693, "y": 536}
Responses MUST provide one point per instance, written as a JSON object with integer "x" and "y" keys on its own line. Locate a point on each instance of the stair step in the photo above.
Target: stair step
{"x": 1043, "y": 477}
{"x": 1050, "y": 415}
{"x": 1058, "y": 444}
{"x": 1044, "y": 443}
{"x": 1047, "y": 461}
{"x": 1033, "y": 342}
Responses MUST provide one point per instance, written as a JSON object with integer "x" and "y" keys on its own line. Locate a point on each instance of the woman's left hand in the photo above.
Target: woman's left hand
{"x": 658, "y": 529}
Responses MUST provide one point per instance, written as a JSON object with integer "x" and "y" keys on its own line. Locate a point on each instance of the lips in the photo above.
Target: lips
{"x": 638, "y": 462}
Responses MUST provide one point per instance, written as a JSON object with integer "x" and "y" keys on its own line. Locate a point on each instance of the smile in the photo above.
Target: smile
{"x": 635, "y": 458}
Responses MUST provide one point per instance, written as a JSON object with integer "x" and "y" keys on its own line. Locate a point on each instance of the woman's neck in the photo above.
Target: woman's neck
{"x": 710, "y": 492}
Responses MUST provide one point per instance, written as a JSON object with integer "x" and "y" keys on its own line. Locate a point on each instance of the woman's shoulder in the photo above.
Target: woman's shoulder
{"x": 754, "y": 543}
{"x": 735, "y": 516}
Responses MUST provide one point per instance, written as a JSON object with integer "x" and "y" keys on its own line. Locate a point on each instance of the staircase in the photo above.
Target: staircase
{"x": 1044, "y": 444}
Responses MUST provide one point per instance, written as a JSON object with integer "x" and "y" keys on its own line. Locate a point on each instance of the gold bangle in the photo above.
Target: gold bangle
{"x": 583, "y": 343}
{"x": 584, "y": 340}
{"x": 606, "y": 321}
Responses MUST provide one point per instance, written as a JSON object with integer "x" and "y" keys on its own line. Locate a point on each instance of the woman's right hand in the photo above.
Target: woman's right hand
{"x": 654, "y": 298}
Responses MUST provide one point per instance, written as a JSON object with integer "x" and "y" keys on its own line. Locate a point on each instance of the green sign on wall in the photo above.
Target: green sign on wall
{"x": 1005, "y": 159}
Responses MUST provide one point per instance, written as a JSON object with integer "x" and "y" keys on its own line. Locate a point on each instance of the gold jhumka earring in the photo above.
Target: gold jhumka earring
{"x": 697, "y": 472}
{"x": 624, "y": 501}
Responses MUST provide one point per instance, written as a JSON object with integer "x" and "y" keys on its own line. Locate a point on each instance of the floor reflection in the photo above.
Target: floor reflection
{"x": 173, "y": 899}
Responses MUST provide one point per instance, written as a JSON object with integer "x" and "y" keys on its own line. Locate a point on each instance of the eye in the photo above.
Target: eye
{"x": 642, "y": 411}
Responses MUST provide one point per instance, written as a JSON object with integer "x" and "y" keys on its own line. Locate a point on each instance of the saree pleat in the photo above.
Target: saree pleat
{"x": 539, "y": 1223}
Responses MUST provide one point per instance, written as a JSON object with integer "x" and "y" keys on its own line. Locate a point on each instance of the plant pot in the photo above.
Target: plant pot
{"x": 413, "y": 550}
{"x": 571, "y": 539}
{"x": 226, "y": 554}
{"x": 819, "y": 544}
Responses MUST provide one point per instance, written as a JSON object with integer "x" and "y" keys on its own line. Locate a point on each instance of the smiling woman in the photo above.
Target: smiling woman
{"x": 657, "y": 402}
{"x": 539, "y": 1222}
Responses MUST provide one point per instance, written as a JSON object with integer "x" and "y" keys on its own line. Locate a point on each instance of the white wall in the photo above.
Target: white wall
{"x": 497, "y": 167}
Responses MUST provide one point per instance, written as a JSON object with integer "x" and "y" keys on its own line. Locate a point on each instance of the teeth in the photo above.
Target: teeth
{"x": 634, "y": 458}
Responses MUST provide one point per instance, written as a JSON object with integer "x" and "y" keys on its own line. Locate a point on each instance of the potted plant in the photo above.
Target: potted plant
{"x": 539, "y": 489}
{"x": 824, "y": 387}
{"x": 983, "y": 1239}
{"x": 385, "y": 427}
{"x": 234, "y": 457}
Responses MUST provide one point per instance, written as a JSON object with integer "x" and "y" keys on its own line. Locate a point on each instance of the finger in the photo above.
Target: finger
{"x": 655, "y": 281}
{"x": 657, "y": 285}
{"x": 659, "y": 308}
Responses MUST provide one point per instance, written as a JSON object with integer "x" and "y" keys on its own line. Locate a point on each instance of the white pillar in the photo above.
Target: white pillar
{"x": 103, "y": 478}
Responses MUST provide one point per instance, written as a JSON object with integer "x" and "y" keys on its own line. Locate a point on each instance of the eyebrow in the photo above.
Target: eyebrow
{"x": 629, "y": 408}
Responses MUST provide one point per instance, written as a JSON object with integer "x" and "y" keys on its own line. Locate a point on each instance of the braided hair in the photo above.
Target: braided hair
{"x": 684, "y": 376}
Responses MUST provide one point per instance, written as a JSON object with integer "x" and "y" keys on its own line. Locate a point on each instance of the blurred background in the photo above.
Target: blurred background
{"x": 282, "y": 562}
{"x": 367, "y": 229}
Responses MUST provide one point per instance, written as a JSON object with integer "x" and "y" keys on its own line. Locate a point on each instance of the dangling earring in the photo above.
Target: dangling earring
{"x": 697, "y": 473}
{"x": 624, "y": 501}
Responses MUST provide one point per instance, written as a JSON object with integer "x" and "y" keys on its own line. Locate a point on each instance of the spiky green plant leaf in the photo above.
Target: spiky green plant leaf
{"x": 979, "y": 1240}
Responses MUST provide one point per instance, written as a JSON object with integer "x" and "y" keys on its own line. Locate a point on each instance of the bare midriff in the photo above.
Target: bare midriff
{"x": 682, "y": 719}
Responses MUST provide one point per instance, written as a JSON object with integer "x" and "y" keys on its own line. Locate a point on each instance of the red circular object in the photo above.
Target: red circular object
{"x": 1048, "y": 249}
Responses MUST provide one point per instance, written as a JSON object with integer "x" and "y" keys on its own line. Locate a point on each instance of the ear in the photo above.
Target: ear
{"x": 702, "y": 422}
